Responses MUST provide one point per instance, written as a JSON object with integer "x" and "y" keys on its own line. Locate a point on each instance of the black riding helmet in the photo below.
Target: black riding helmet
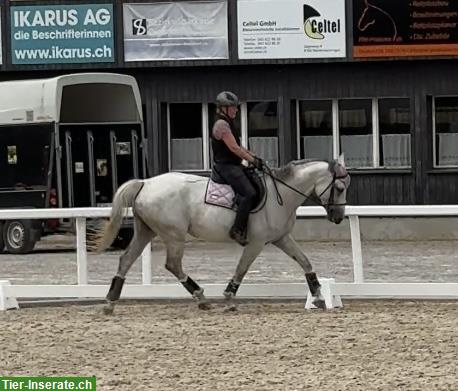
{"x": 227, "y": 98}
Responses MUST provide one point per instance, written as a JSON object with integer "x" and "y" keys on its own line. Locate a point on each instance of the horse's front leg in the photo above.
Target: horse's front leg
{"x": 291, "y": 248}
{"x": 174, "y": 265}
{"x": 250, "y": 252}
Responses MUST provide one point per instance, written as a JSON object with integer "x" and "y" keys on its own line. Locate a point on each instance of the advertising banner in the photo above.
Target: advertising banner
{"x": 270, "y": 29}
{"x": 194, "y": 30}
{"x": 399, "y": 28}
{"x": 61, "y": 34}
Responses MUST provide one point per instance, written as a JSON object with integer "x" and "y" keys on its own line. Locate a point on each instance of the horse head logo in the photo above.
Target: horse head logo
{"x": 377, "y": 21}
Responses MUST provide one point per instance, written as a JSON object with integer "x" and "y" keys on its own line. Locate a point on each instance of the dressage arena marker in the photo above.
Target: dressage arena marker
{"x": 7, "y": 301}
{"x": 331, "y": 299}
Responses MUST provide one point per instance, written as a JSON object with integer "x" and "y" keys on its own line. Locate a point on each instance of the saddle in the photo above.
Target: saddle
{"x": 219, "y": 193}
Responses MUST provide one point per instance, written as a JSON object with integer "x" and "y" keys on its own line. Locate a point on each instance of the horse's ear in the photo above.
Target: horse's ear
{"x": 341, "y": 159}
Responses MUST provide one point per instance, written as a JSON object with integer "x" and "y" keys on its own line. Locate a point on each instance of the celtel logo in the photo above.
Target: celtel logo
{"x": 314, "y": 26}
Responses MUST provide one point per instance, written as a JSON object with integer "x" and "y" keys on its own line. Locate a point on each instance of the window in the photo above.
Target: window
{"x": 190, "y": 126}
{"x": 372, "y": 133}
{"x": 394, "y": 128}
{"x": 262, "y": 119}
{"x": 446, "y": 131}
{"x": 356, "y": 133}
{"x": 315, "y": 130}
{"x": 186, "y": 136}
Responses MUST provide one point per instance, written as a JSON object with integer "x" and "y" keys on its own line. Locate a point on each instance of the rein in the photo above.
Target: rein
{"x": 267, "y": 170}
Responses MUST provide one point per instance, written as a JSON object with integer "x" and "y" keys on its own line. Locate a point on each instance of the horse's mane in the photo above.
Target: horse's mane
{"x": 287, "y": 170}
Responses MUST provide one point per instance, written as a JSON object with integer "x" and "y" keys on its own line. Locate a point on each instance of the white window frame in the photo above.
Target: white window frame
{"x": 375, "y": 143}
{"x": 378, "y": 131}
{"x": 435, "y": 165}
{"x": 336, "y": 130}
{"x": 375, "y": 135}
{"x": 205, "y": 138}
{"x": 206, "y": 129}
{"x": 244, "y": 124}
{"x": 335, "y": 127}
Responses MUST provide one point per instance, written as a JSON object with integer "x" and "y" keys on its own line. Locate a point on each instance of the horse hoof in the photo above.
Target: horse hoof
{"x": 319, "y": 303}
{"x": 231, "y": 308}
{"x": 204, "y": 306}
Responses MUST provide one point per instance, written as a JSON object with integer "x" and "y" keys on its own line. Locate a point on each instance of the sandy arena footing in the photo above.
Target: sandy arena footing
{"x": 367, "y": 345}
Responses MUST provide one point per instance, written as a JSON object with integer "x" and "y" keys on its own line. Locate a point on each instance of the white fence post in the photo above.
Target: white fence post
{"x": 7, "y": 301}
{"x": 81, "y": 251}
{"x": 147, "y": 274}
{"x": 358, "y": 274}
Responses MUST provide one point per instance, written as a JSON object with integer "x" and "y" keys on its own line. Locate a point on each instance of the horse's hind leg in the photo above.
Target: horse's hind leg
{"x": 291, "y": 248}
{"x": 142, "y": 235}
{"x": 174, "y": 265}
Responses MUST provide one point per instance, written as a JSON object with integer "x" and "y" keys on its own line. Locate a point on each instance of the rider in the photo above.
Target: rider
{"x": 227, "y": 161}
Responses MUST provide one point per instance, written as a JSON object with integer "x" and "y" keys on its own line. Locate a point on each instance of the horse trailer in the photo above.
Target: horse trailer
{"x": 67, "y": 141}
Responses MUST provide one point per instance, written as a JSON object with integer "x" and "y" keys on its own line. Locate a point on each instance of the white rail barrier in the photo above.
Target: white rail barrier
{"x": 358, "y": 288}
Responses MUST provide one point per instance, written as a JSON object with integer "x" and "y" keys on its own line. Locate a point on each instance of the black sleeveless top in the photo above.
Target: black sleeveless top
{"x": 221, "y": 152}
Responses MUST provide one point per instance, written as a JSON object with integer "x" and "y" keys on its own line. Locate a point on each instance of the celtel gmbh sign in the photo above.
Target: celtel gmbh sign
{"x": 270, "y": 29}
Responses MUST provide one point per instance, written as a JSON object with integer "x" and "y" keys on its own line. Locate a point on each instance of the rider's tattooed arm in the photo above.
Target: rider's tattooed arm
{"x": 241, "y": 152}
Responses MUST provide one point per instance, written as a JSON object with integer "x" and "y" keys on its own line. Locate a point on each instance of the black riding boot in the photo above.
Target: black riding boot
{"x": 238, "y": 235}
{"x": 236, "y": 177}
{"x": 238, "y": 231}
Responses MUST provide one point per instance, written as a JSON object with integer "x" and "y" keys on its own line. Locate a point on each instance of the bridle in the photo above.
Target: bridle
{"x": 331, "y": 195}
{"x": 267, "y": 170}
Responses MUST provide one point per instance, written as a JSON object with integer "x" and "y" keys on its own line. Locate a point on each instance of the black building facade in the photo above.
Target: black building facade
{"x": 395, "y": 118}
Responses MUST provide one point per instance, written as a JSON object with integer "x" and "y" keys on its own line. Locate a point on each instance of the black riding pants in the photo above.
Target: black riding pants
{"x": 235, "y": 176}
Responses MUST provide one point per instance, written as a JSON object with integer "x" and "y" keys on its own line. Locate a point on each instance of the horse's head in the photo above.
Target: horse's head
{"x": 331, "y": 189}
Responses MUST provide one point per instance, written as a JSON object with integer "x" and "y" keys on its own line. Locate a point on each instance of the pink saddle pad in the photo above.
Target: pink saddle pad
{"x": 219, "y": 194}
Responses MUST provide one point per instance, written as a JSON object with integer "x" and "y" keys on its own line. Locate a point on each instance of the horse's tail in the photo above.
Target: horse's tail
{"x": 123, "y": 198}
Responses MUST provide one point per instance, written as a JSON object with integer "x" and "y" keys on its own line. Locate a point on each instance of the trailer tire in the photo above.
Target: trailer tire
{"x": 18, "y": 236}
{"x": 2, "y": 242}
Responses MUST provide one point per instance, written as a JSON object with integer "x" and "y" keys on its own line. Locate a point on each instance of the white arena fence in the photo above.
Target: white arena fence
{"x": 356, "y": 289}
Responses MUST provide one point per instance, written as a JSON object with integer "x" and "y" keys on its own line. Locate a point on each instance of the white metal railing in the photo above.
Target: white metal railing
{"x": 358, "y": 288}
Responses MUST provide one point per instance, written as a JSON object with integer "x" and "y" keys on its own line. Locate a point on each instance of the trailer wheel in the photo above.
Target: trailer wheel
{"x": 18, "y": 236}
{"x": 2, "y": 243}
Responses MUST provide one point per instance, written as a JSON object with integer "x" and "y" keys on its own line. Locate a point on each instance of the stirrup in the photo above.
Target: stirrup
{"x": 238, "y": 236}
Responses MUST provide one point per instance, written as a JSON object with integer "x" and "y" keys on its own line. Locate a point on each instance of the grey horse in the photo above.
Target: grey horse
{"x": 172, "y": 205}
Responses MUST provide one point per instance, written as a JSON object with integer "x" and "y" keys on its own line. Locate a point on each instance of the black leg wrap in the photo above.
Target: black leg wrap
{"x": 190, "y": 285}
{"x": 115, "y": 288}
{"x": 313, "y": 283}
{"x": 232, "y": 287}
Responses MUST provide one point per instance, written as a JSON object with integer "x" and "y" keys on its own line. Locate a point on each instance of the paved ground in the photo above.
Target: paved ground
{"x": 54, "y": 261}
